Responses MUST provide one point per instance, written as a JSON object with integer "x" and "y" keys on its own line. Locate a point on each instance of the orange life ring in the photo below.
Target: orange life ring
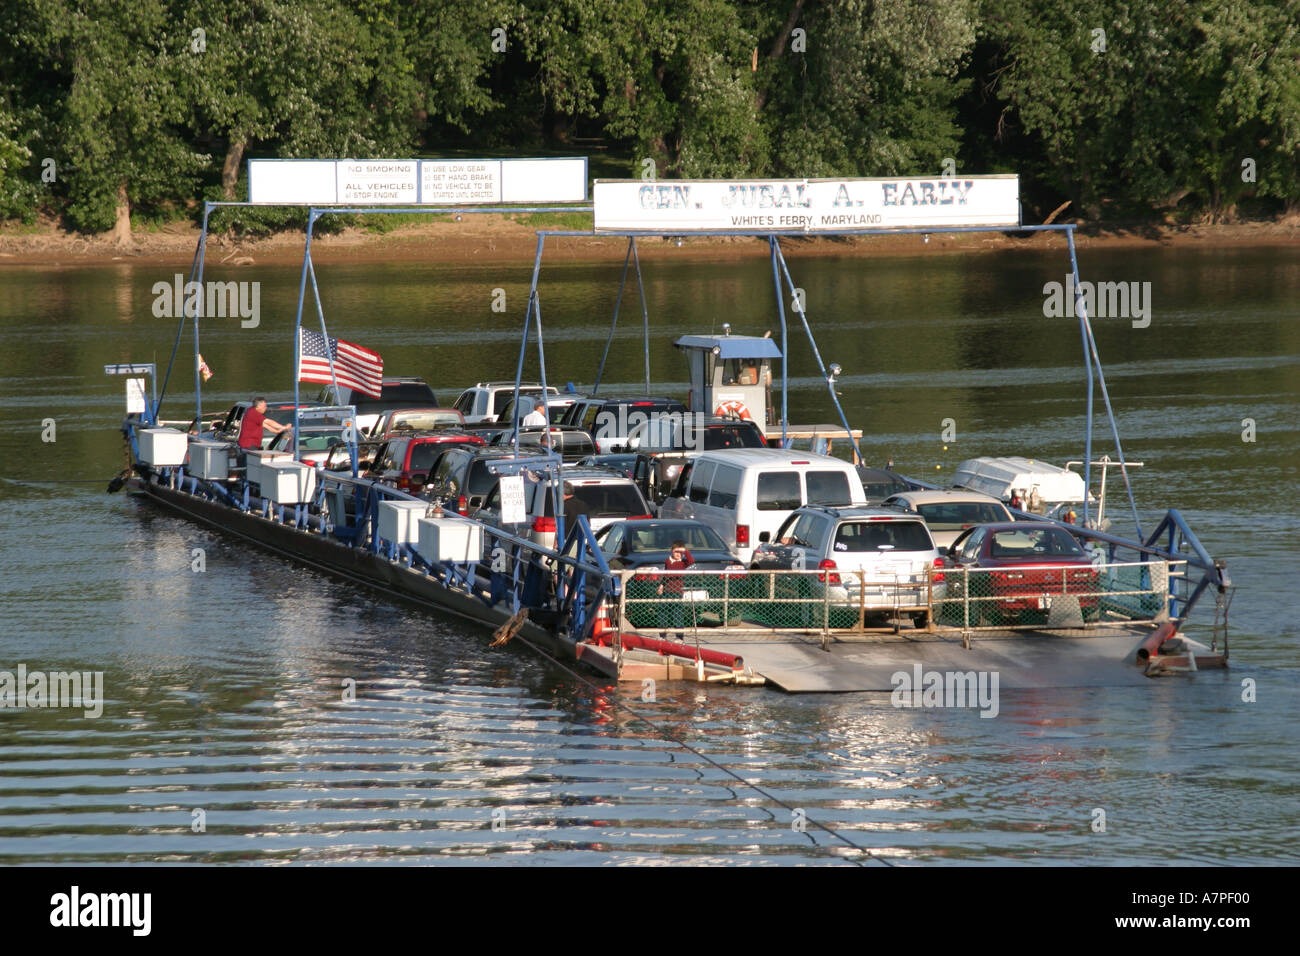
{"x": 733, "y": 408}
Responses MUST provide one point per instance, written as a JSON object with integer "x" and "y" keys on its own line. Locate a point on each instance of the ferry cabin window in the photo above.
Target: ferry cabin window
{"x": 778, "y": 491}
{"x": 726, "y": 487}
{"x": 740, "y": 372}
{"x": 701, "y": 480}
{"x": 828, "y": 488}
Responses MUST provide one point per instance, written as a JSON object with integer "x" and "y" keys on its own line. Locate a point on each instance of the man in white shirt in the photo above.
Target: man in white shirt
{"x": 534, "y": 419}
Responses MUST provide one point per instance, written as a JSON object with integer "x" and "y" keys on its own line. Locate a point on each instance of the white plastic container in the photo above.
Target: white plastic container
{"x": 209, "y": 459}
{"x": 287, "y": 482}
{"x": 259, "y": 457}
{"x": 163, "y": 447}
{"x": 397, "y": 520}
{"x": 457, "y": 540}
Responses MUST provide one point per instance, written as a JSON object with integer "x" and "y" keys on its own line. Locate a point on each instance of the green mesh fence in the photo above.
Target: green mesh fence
{"x": 1053, "y": 596}
{"x": 1060, "y": 596}
{"x": 801, "y": 600}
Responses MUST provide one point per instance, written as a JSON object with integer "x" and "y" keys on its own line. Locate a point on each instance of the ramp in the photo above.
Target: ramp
{"x": 1024, "y": 659}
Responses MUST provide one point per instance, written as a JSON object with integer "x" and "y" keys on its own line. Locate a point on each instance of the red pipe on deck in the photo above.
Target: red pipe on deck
{"x": 733, "y": 661}
{"x": 1151, "y": 646}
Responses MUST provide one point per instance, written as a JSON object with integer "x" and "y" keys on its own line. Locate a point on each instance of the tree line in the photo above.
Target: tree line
{"x": 1122, "y": 109}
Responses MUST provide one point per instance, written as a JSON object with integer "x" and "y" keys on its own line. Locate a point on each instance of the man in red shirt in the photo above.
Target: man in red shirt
{"x": 253, "y": 423}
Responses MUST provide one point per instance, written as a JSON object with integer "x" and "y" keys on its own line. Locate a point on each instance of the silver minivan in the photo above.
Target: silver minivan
{"x": 745, "y": 494}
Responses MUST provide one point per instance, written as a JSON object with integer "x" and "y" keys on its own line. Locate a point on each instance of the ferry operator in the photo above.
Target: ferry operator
{"x": 252, "y": 425}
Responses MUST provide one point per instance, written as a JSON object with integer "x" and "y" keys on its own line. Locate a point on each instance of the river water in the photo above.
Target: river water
{"x": 225, "y": 734}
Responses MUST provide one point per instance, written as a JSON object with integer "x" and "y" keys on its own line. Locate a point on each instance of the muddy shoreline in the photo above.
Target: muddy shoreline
{"x": 493, "y": 238}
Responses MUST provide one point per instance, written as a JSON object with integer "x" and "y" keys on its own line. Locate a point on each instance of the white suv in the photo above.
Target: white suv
{"x": 486, "y": 400}
{"x": 870, "y": 558}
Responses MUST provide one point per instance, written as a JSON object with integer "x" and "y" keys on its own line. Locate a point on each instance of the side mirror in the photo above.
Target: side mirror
{"x": 764, "y": 537}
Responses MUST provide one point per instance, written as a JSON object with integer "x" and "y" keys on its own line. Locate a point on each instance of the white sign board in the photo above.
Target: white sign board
{"x": 513, "y": 510}
{"x": 806, "y": 205}
{"x": 303, "y": 181}
{"x": 416, "y": 182}
{"x": 135, "y": 402}
{"x": 376, "y": 182}
{"x": 454, "y": 181}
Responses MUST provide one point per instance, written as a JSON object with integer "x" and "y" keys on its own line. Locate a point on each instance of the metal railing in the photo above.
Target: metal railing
{"x": 825, "y": 600}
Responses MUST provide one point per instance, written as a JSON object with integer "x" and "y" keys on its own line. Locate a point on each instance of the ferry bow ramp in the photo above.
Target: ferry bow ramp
{"x": 798, "y": 663}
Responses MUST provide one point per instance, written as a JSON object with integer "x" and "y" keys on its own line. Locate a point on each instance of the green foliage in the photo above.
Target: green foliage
{"x": 18, "y": 193}
{"x": 155, "y": 101}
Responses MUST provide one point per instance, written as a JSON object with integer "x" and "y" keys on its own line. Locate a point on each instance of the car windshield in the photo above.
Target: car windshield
{"x": 400, "y": 393}
{"x": 828, "y": 488}
{"x": 422, "y": 421}
{"x": 661, "y": 537}
{"x": 953, "y": 515}
{"x": 882, "y": 488}
{"x": 732, "y": 436}
{"x": 507, "y": 395}
{"x": 1034, "y": 543}
{"x": 481, "y": 478}
{"x": 603, "y": 500}
{"x": 424, "y": 454}
{"x": 882, "y": 536}
{"x": 778, "y": 491}
{"x": 307, "y": 441}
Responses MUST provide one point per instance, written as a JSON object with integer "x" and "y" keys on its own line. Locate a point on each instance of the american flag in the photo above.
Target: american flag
{"x": 354, "y": 366}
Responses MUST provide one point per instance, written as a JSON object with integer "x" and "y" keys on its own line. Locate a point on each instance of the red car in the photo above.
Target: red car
{"x": 1017, "y": 568}
{"x": 405, "y": 462}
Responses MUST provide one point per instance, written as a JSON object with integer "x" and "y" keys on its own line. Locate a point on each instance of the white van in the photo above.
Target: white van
{"x": 745, "y": 494}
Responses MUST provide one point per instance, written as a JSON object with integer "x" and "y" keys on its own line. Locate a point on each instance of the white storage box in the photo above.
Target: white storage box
{"x": 257, "y": 457}
{"x": 287, "y": 482}
{"x": 209, "y": 459}
{"x": 450, "y": 539}
{"x": 163, "y": 447}
{"x": 397, "y": 520}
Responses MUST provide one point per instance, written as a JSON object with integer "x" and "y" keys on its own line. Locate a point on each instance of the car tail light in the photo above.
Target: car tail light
{"x": 639, "y": 517}
{"x": 404, "y": 482}
{"x": 936, "y": 575}
{"x": 309, "y": 462}
{"x": 742, "y": 536}
{"x": 544, "y": 525}
{"x": 462, "y": 505}
{"x": 826, "y": 565}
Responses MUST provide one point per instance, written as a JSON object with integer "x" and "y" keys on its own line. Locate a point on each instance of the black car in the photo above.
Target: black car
{"x": 621, "y": 463}
{"x": 645, "y": 543}
{"x": 461, "y": 477}
{"x": 880, "y": 483}
{"x": 568, "y": 442}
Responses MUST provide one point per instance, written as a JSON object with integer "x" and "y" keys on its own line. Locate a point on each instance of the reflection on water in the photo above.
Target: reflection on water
{"x": 228, "y": 690}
